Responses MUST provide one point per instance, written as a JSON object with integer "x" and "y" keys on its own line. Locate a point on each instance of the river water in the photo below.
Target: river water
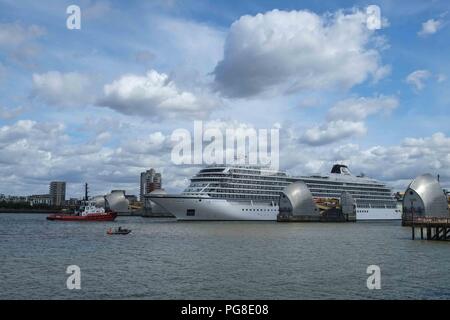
{"x": 165, "y": 259}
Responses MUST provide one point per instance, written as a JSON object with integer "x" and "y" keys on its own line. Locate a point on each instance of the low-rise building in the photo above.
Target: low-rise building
{"x": 14, "y": 199}
{"x": 40, "y": 199}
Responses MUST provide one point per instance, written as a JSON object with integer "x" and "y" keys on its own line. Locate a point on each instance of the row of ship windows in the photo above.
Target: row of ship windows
{"x": 242, "y": 175}
{"x": 262, "y": 195}
{"x": 288, "y": 181}
{"x": 233, "y": 191}
{"x": 355, "y": 195}
{"x": 280, "y": 187}
{"x": 361, "y": 198}
{"x": 317, "y": 187}
{"x": 319, "y": 193}
{"x": 313, "y": 191}
{"x": 328, "y": 183}
{"x": 251, "y": 197}
{"x": 379, "y": 206}
{"x": 338, "y": 185}
{"x": 247, "y": 178}
{"x": 239, "y": 187}
{"x": 259, "y": 209}
{"x": 258, "y": 174}
{"x": 283, "y": 184}
{"x": 364, "y": 199}
{"x": 243, "y": 171}
{"x": 368, "y": 204}
{"x": 282, "y": 177}
{"x": 312, "y": 188}
{"x": 367, "y": 211}
{"x": 234, "y": 179}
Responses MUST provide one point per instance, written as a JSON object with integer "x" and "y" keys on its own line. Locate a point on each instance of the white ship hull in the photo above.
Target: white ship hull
{"x": 378, "y": 214}
{"x": 189, "y": 208}
{"x": 198, "y": 208}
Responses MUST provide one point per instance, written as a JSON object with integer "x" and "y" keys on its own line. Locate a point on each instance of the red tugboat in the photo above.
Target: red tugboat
{"x": 89, "y": 213}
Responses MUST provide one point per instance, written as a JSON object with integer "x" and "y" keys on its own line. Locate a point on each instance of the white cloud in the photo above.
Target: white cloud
{"x": 144, "y": 56}
{"x": 192, "y": 45}
{"x": 441, "y": 78}
{"x": 26, "y": 148}
{"x": 153, "y": 143}
{"x": 34, "y": 153}
{"x": 28, "y": 128}
{"x": 357, "y": 109}
{"x": 154, "y": 95}
{"x": 15, "y": 34}
{"x": 297, "y": 51}
{"x": 381, "y": 72}
{"x": 18, "y": 41}
{"x": 95, "y": 10}
{"x": 430, "y": 27}
{"x": 412, "y": 157}
{"x": 3, "y": 72}
{"x": 10, "y": 113}
{"x": 309, "y": 102}
{"x": 332, "y": 132}
{"x": 396, "y": 164}
{"x": 418, "y": 78}
{"x": 62, "y": 89}
{"x": 345, "y": 119}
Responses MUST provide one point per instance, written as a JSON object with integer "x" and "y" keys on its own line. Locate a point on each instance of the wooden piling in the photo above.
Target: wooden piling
{"x": 436, "y": 228}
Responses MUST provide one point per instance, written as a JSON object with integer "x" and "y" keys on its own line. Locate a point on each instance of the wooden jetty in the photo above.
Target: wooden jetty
{"x": 431, "y": 228}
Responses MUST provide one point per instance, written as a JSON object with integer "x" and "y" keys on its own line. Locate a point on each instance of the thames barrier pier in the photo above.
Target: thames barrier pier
{"x": 297, "y": 204}
{"x": 425, "y": 209}
{"x": 430, "y": 228}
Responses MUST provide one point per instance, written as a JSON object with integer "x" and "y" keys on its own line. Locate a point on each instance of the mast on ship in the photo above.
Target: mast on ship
{"x": 86, "y": 188}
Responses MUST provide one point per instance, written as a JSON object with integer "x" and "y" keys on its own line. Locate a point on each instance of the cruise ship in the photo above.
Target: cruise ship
{"x": 244, "y": 192}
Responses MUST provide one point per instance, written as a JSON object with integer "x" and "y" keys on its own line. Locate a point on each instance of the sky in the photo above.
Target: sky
{"x": 99, "y": 104}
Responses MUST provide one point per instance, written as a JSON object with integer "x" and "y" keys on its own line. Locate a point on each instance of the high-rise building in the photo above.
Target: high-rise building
{"x": 58, "y": 193}
{"x": 150, "y": 181}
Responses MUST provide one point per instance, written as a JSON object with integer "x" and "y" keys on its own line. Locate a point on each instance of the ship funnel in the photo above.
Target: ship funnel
{"x": 340, "y": 169}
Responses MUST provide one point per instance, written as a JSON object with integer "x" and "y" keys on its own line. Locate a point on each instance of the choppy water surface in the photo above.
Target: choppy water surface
{"x": 164, "y": 259}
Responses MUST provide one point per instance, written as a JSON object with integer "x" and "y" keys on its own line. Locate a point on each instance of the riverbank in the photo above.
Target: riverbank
{"x": 22, "y": 211}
